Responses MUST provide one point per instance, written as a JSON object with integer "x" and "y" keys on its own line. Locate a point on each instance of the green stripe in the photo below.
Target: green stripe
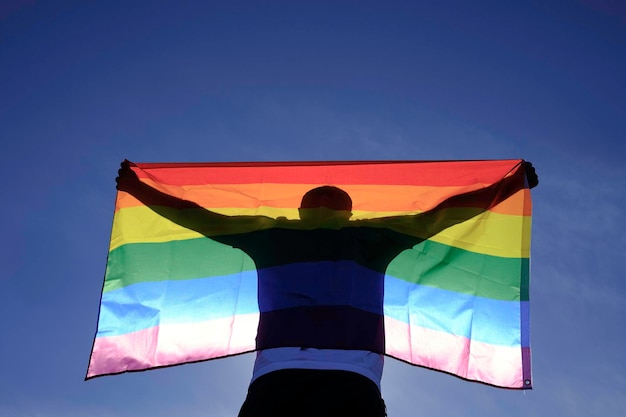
{"x": 175, "y": 260}
{"x": 454, "y": 269}
{"x": 428, "y": 263}
{"x": 525, "y": 280}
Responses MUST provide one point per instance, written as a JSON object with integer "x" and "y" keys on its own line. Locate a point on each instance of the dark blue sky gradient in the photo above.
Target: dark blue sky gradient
{"x": 85, "y": 84}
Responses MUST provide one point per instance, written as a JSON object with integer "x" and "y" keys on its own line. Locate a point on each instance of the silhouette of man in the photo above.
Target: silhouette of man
{"x": 320, "y": 340}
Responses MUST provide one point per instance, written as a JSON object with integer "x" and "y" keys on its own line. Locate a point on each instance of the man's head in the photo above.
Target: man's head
{"x": 325, "y": 202}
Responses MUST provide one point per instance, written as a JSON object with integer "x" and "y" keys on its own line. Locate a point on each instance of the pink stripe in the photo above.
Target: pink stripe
{"x": 173, "y": 344}
{"x": 182, "y": 343}
{"x": 476, "y": 361}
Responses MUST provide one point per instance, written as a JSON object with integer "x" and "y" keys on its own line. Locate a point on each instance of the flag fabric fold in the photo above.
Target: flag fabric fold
{"x": 429, "y": 264}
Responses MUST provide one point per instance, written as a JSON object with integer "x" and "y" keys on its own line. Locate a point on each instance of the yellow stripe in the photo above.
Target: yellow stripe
{"x": 365, "y": 197}
{"x": 488, "y": 233}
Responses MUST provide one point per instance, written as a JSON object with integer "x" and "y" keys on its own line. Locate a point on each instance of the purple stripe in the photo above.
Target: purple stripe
{"x": 525, "y": 330}
{"x": 526, "y": 368}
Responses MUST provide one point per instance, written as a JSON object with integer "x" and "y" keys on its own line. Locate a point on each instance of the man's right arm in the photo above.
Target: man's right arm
{"x": 195, "y": 217}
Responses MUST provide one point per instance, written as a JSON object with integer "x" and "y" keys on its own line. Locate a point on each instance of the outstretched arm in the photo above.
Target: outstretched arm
{"x": 196, "y": 217}
{"x": 462, "y": 207}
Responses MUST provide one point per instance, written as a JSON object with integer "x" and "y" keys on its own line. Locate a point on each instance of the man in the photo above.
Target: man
{"x": 320, "y": 338}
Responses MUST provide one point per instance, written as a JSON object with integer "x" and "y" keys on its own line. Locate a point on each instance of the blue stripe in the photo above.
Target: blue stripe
{"x": 326, "y": 283}
{"x": 525, "y": 324}
{"x": 148, "y": 304}
{"x": 482, "y": 319}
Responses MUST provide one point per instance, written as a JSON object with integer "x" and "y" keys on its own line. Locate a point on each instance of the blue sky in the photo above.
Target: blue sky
{"x": 85, "y": 84}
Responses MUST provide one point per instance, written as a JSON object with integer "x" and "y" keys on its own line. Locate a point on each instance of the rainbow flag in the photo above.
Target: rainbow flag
{"x": 429, "y": 265}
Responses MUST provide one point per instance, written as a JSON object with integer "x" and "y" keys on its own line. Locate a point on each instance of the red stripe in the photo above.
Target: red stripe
{"x": 429, "y": 173}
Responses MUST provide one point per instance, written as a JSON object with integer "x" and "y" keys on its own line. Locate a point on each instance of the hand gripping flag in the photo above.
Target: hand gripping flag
{"x": 426, "y": 262}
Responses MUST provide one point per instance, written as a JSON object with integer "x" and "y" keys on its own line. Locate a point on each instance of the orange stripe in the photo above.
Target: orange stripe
{"x": 389, "y": 198}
